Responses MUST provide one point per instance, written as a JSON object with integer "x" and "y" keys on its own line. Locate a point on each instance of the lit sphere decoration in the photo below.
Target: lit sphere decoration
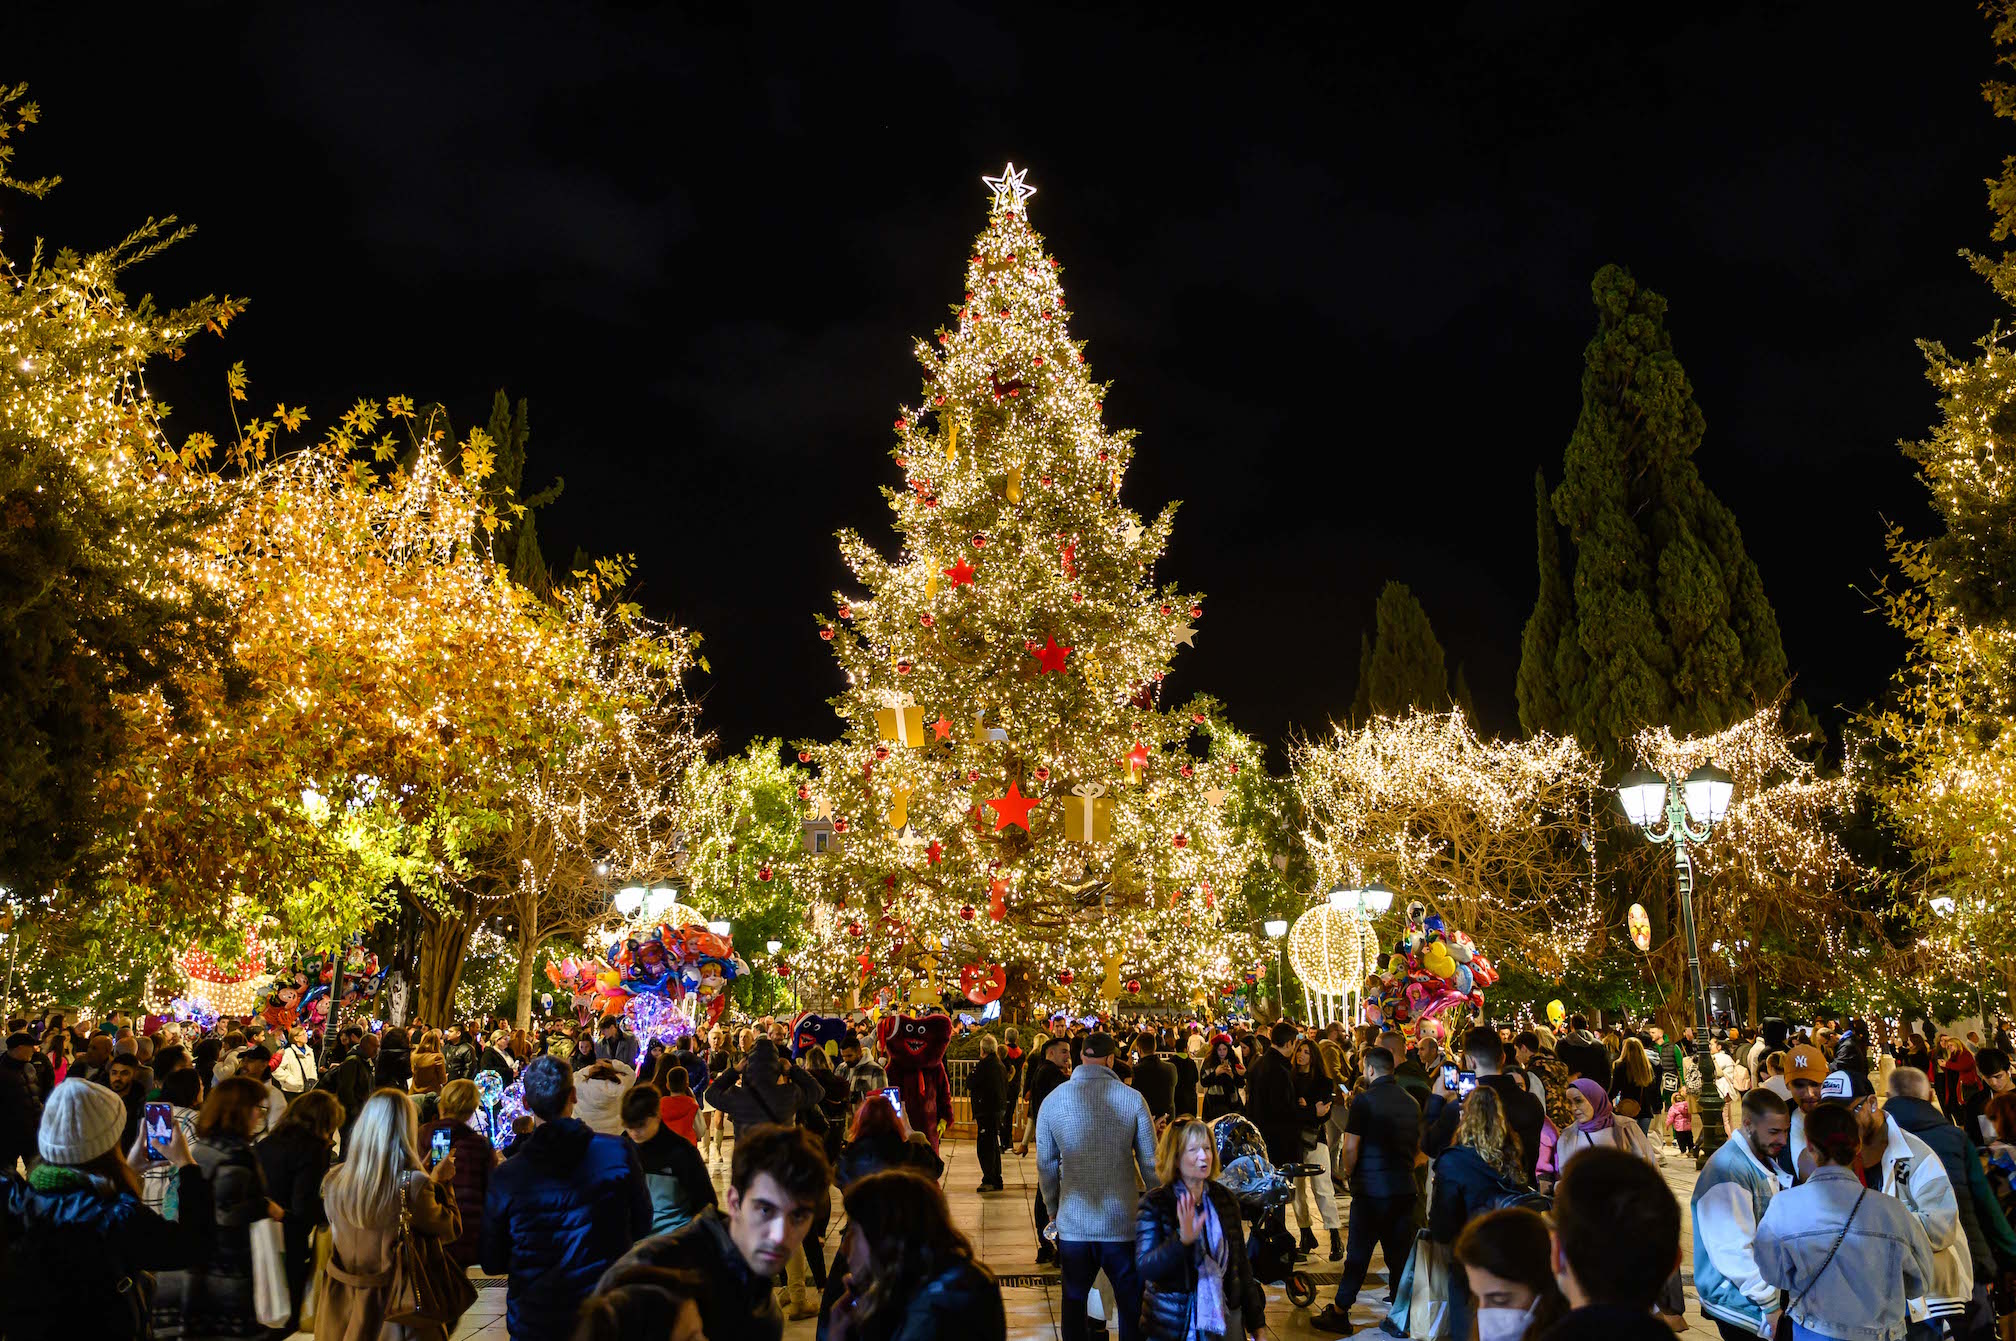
{"x": 1332, "y": 950}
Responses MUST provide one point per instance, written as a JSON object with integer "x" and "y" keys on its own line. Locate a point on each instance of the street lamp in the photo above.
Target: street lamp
{"x": 1370, "y": 900}
{"x": 1277, "y": 930}
{"x": 721, "y": 929}
{"x": 1648, "y": 799}
{"x": 629, "y": 900}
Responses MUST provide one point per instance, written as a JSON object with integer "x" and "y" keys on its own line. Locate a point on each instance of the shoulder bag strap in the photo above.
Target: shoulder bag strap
{"x": 1830, "y": 1252}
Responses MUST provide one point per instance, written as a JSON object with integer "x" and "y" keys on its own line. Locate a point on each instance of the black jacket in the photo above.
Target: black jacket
{"x": 1270, "y": 1103}
{"x": 987, "y": 1088}
{"x": 1608, "y": 1322}
{"x": 73, "y": 1257}
{"x": 1155, "y": 1080}
{"x": 754, "y": 1098}
{"x": 1524, "y": 1113}
{"x": 493, "y": 1060}
{"x": 873, "y": 1154}
{"x": 1387, "y": 1123}
{"x": 1956, "y": 1153}
{"x": 293, "y": 1160}
{"x": 1043, "y": 1078}
{"x": 1465, "y": 1187}
{"x": 1186, "y": 1085}
{"x": 20, "y": 1112}
{"x": 565, "y": 1205}
{"x": 960, "y": 1301}
{"x": 351, "y": 1083}
{"x": 740, "y": 1304}
{"x": 460, "y": 1059}
{"x": 1168, "y": 1266}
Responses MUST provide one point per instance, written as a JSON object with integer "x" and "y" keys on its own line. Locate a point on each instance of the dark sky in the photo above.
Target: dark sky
{"x": 1338, "y": 274}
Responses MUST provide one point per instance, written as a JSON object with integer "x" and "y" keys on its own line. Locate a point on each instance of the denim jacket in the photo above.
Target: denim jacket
{"x": 1884, "y": 1258}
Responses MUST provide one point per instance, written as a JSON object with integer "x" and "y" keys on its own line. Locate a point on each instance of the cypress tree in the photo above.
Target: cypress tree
{"x": 1361, "y": 701}
{"x": 1539, "y": 703}
{"x": 1407, "y": 669}
{"x": 1669, "y": 623}
{"x": 1459, "y": 695}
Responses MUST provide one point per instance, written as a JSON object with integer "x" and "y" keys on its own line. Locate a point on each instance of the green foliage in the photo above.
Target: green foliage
{"x": 1669, "y": 624}
{"x": 1406, "y": 668}
{"x": 1361, "y": 699}
{"x": 745, "y": 819}
{"x": 1540, "y": 708}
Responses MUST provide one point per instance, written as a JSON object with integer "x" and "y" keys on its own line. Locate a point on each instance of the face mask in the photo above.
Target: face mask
{"x": 1503, "y": 1324}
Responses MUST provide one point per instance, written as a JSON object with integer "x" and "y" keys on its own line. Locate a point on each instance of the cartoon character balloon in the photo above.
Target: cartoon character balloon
{"x": 1431, "y": 981}
{"x": 1556, "y": 1012}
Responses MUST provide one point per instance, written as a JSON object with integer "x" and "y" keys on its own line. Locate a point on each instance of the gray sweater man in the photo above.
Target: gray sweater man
{"x": 1091, "y": 1134}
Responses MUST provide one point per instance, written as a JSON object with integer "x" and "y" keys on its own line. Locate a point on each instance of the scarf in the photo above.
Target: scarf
{"x": 1208, "y": 1317}
{"x": 1599, "y": 1101}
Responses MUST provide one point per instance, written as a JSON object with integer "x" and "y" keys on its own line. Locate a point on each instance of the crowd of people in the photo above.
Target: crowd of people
{"x": 234, "y": 1181}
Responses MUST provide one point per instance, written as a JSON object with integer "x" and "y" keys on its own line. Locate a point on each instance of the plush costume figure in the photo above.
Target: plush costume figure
{"x": 812, "y": 1031}
{"x": 913, "y": 1052}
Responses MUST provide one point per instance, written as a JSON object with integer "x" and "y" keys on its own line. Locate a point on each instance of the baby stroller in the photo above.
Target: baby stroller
{"x": 1263, "y": 1192}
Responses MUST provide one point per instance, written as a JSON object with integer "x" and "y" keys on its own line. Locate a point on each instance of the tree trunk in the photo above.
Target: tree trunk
{"x": 1755, "y": 989}
{"x": 444, "y": 948}
{"x": 528, "y": 951}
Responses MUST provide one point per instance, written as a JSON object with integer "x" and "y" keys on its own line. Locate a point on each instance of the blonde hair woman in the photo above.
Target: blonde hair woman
{"x": 1194, "y": 1272}
{"x": 381, "y": 1172}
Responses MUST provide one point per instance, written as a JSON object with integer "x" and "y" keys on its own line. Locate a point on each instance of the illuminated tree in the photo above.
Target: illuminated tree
{"x": 1948, "y": 732}
{"x": 1777, "y": 895}
{"x": 1488, "y": 833}
{"x": 1021, "y": 616}
{"x": 96, "y": 515}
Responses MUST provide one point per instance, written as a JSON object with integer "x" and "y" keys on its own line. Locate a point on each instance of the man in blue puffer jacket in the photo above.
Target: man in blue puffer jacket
{"x": 560, "y": 1210}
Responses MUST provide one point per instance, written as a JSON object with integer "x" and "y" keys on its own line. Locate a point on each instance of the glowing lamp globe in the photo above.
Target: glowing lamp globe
{"x": 1707, "y": 792}
{"x": 1643, "y": 793}
{"x": 1327, "y": 946}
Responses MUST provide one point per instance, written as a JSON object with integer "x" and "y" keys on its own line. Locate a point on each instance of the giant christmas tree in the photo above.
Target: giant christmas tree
{"x": 1008, "y": 792}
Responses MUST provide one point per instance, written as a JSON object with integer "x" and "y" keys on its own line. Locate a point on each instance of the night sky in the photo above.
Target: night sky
{"x": 1338, "y": 274}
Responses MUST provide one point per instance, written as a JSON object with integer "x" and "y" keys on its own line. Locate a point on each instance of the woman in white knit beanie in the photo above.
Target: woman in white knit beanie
{"x": 79, "y": 1216}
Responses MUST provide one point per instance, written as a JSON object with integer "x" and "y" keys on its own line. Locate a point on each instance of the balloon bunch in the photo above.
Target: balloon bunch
{"x": 1433, "y": 979}
{"x": 660, "y": 962}
{"x": 302, "y": 996}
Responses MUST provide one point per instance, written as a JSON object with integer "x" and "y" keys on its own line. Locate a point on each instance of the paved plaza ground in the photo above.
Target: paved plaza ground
{"x": 1003, "y": 1232}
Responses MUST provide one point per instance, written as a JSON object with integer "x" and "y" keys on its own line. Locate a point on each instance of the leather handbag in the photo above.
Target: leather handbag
{"x": 427, "y": 1285}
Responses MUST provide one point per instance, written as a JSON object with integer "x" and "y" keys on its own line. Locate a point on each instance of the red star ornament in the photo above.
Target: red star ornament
{"x": 942, "y": 727}
{"x": 935, "y": 853}
{"x": 1137, "y": 761}
{"x": 961, "y": 573}
{"x": 1050, "y": 655}
{"x": 1013, "y": 808}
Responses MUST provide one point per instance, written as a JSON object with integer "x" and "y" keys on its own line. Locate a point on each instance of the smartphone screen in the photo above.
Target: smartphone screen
{"x": 1465, "y": 1082}
{"x": 439, "y": 1145}
{"x": 895, "y": 1097}
{"x": 1449, "y": 1076}
{"x": 158, "y": 1126}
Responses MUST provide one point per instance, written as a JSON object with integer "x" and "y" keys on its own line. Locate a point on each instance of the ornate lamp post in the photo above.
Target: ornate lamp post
{"x": 1277, "y": 930}
{"x": 1649, "y": 800}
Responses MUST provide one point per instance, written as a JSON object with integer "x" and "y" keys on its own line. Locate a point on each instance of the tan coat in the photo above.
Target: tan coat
{"x": 353, "y": 1299}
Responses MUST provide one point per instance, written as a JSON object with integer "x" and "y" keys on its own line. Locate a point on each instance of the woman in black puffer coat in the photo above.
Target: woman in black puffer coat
{"x": 1174, "y": 1272}
{"x": 395, "y": 1061}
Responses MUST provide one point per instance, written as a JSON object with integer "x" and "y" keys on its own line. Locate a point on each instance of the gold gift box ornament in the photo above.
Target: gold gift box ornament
{"x": 1088, "y": 817}
{"x": 902, "y": 721}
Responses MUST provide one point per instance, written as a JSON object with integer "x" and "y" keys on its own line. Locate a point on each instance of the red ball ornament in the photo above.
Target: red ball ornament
{"x": 926, "y": 620}
{"x": 783, "y": 969}
{"x": 763, "y": 874}
{"x": 804, "y": 793}
{"x": 1235, "y": 770}
{"x": 1004, "y": 311}
{"x": 846, "y": 612}
{"x": 881, "y": 751}
{"x": 966, "y": 913}
{"x": 1181, "y": 840}
{"x": 856, "y": 930}
{"x": 972, "y": 775}
{"x": 1077, "y": 596}
{"x": 804, "y": 756}
{"x": 1168, "y": 609}
{"x": 1196, "y": 612}
{"x": 1102, "y": 453}
{"x": 1053, "y": 262}
{"x": 944, "y": 339}
{"x": 937, "y": 400}
{"x": 1039, "y": 360}
{"x": 839, "y": 826}
{"x": 1081, "y": 356}
{"x": 969, "y": 292}
{"x": 979, "y": 542}
{"x": 1045, "y": 481}
{"x": 1134, "y": 987}
{"x": 902, "y": 424}
{"x": 826, "y": 634}
{"x": 1197, "y": 717}
{"x": 1064, "y": 978}
{"x": 1042, "y": 775}
{"x": 1185, "y": 770}
{"x": 902, "y": 668}
{"x": 1098, "y": 404}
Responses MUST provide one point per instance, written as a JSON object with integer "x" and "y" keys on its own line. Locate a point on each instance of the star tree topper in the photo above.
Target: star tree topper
{"x": 1009, "y": 189}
